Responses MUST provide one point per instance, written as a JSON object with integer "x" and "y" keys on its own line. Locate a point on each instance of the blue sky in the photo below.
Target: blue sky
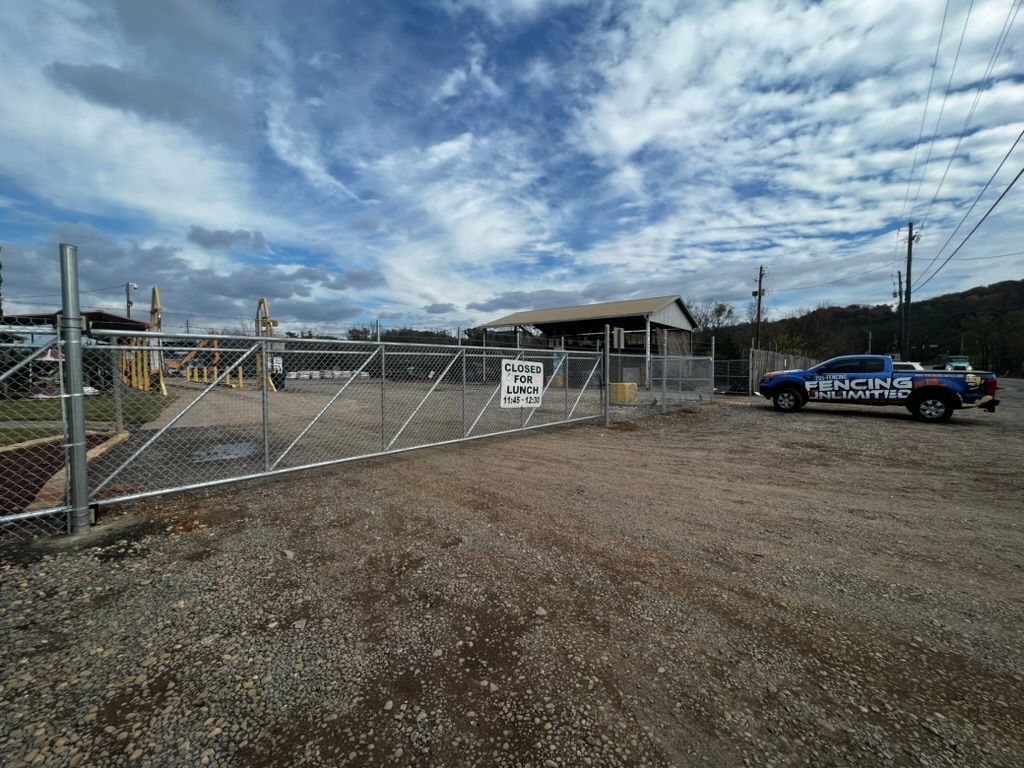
{"x": 441, "y": 163}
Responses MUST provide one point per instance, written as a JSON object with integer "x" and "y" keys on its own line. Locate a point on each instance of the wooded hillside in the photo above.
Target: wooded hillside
{"x": 986, "y": 323}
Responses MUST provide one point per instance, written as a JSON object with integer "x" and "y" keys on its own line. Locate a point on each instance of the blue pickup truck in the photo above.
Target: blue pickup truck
{"x": 871, "y": 380}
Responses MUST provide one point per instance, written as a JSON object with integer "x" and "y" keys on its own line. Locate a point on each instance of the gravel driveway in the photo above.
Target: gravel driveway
{"x": 836, "y": 587}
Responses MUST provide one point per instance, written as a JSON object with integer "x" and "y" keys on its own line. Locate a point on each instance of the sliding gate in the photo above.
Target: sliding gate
{"x": 203, "y": 410}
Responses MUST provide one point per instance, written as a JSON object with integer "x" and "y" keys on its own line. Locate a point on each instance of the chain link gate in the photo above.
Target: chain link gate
{"x": 233, "y": 408}
{"x": 124, "y": 415}
{"x": 33, "y": 430}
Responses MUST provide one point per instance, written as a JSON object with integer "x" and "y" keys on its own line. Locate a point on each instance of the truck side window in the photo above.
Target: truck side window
{"x": 858, "y": 365}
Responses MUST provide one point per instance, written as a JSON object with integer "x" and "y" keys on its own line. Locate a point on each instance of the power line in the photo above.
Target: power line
{"x": 887, "y": 265}
{"x": 927, "y": 98}
{"x": 1004, "y": 33}
{"x": 980, "y": 222}
{"x": 976, "y": 200}
{"x": 997, "y": 256}
{"x": 942, "y": 108}
{"x": 97, "y": 292}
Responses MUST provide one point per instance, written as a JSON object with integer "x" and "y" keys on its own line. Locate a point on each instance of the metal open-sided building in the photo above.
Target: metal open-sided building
{"x": 658, "y": 325}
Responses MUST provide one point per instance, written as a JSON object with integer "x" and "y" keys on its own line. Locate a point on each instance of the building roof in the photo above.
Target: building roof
{"x": 603, "y": 311}
{"x": 95, "y": 318}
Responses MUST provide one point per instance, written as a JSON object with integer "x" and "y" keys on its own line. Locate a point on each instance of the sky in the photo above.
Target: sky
{"x": 440, "y": 163}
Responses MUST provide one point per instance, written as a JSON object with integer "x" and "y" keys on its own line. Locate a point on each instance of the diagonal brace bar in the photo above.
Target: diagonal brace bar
{"x": 17, "y": 367}
{"x": 177, "y": 418}
{"x": 586, "y": 384}
{"x": 550, "y": 379}
{"x": 412, "y": 415}
{"x": 487, "y": 405}
{"x": 330, "y": 402}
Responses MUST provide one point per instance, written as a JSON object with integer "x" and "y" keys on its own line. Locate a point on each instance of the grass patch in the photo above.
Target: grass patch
{"x": 137, "y": 408}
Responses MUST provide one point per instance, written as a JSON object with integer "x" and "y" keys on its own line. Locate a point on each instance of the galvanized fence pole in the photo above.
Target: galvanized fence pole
{"x": 750, "y": 372}
{"x": 71, "y": 326}
{"x": 565, "y": 379}
{"x": 664, "y": 370}
{"x": 383, "y": 395}
{"x": 463, "y": 387}
{"x": 117, "y": 390}
{"x": 713, "y": 367}
{"x": 606, "y": 375}
{"x": 265, "y": 384}
{"x": 522, "y": 408}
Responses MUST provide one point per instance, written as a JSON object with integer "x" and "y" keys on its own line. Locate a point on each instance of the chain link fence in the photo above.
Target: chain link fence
{"x": 171, "y": 412}
{"x": 32, "y": 430}
{"x": 639, "y": 385}
{"x": 741, "y": 376}
{"x": 166, "y": 413}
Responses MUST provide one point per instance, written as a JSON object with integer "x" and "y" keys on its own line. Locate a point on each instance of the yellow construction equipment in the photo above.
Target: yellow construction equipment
{"x": 142, "y": 367}
{"x": 265, "y": 325}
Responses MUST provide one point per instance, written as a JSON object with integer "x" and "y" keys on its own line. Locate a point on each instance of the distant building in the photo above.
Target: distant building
{"x": 658, "y": 325}
{"x": 95, "y": 319}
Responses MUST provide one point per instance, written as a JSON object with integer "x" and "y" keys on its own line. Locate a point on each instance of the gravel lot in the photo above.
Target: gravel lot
{"x": 732, "y": 586}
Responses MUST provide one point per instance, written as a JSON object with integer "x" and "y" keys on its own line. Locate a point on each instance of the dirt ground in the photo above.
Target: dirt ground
{"x": 837, "y": 587}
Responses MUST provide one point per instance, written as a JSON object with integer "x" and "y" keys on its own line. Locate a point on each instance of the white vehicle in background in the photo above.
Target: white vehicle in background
{"x": 899, "y": 365}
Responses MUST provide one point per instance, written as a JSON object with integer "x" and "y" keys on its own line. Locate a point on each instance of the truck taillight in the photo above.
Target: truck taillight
{"x": 990, "y": 387}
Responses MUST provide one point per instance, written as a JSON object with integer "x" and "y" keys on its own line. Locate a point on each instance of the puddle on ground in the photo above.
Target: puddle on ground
{"x": 226, "y": 452}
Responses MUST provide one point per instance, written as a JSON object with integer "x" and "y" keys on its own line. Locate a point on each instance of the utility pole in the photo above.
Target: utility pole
{"x": 1, "y": 283}
{"x": 758, "y": 294}
{"x": 869, "y": 341}
{"x": 906, "y": 302}
{"x": 899, "y": 313}
{"x": 128, "y": 288}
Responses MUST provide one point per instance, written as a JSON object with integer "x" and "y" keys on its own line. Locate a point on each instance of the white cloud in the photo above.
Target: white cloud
{"x": 756, "y": 147}
{"x": 674, "y": 145}
{"x": 297, "y": 144}
{"x": 94, "y": 159}
{"x": 474, "y": 73}
{"x": 508, "y": 11}
{"x": 539, "y": 72}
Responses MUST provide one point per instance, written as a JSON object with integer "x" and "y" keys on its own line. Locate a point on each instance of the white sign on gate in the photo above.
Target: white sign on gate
{"x": 522, "y": 384}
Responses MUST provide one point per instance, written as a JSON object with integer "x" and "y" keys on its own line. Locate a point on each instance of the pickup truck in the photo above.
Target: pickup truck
{"x": 870, "y": 380}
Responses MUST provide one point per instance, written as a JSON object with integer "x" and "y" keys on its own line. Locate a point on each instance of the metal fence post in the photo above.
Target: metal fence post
{"x": 71, "y": 326}
{"x": 265, "y": 384}
{"x": 606, "y": 375}
{"x": 463, "y": 391}
{"x": 117, "y": 389}
{"x": 664, "y": 383}
{"x": 664, "y": 370}
{"x": 565, "y": 379}
{"x": 750, "y": 372}
{"x": 713, "y": 367}
{"x": 383, "y": 378}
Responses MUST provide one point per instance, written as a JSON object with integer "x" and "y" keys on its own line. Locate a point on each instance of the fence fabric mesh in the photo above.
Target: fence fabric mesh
{"x": 32, "y": 431}
{"x": 169, "y": 412}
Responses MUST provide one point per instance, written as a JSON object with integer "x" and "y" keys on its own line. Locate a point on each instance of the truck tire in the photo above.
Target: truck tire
{"x": 788, "y": 400}
{"x": 933, "y": 407}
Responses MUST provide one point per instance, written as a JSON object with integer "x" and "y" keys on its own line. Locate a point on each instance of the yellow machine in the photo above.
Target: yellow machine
{"x": 202, "y": 370}
{"x": 142, "y": 367}
{"x": 265, "y": 326}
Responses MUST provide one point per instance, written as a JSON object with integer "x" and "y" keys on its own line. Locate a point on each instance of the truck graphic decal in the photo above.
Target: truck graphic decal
{"x": 832, "y": 387}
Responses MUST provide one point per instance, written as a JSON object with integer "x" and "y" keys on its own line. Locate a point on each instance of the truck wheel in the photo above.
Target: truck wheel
{"x": 788, "y": 400}
{"x": 932, "y": 407}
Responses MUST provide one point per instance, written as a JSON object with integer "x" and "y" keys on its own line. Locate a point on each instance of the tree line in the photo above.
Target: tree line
{"x": 985, "y": 323}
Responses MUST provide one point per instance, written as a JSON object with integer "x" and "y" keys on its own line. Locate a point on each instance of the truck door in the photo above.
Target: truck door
{"x": 850, "y": 379}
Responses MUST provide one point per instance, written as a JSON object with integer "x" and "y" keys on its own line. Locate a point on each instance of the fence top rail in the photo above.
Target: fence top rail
{"x": 107, "y": 334}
